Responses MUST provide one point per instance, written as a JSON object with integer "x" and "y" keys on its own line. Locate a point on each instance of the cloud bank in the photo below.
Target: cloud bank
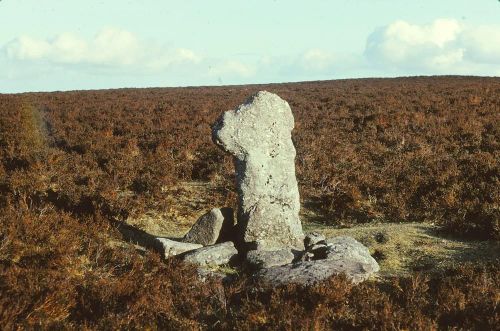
{"x": 111, "y": 47}
{"x": 115, "y": 57}
{"x": 441, "y": 47}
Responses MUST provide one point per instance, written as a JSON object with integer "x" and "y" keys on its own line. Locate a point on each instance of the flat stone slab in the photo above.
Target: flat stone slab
{"x": 311, "y": 272}
{"x": 345, "y": 248}
{"x": 207, "y": 228}
{"x": 172, "y": 247}
{"x": 265, "y": 259}
{"x": 340, "y": 255}
{"x": 214, "y": 255}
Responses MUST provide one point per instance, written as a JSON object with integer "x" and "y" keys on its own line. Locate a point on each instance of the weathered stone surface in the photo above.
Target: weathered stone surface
{"x": 345, "y": 248}
{"x": 172, "y": 247}
{"x": 258, "y": 135}
{"x": 207, "y": 228}
{"x": 259, "y": 259}
{"x": 340, "y": 255}
{"x": 265, "y": 246}
{"x": 311, "y": 272}
{"x": 218, "y": 254}
{"x": 313, "y": 238}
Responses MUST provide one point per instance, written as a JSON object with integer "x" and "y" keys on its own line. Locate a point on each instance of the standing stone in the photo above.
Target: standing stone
{"x": 258, "y": 135}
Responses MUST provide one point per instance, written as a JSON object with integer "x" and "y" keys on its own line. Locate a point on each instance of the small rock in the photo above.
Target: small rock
{"x": 265, "y": 259}
{"x": 349, "y": 249}
{"x": 172, "y": 247}
{"x": 217, "y": 254}
{"x": 313, "y": 238}
{"x": 207, "y": 228}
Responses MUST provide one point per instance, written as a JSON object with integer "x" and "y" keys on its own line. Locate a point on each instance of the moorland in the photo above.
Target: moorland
{"x": 409, "y": 166}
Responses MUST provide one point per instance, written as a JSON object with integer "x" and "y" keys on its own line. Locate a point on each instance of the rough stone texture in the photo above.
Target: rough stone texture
{"x": 313, "y": 238}
{"x": 266, "y": 259}
{"x": 172, "y": 247}
{"x": 207, "y": 228}
{"x": 345, "y": 248}
{"x": 218, "y": 254}
{"x": 258, "y": 135}
{"x": 341, "y": 255}
{"x": 311, "y": 272}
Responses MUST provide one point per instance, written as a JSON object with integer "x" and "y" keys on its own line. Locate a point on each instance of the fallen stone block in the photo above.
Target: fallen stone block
{"x": 341, "y": 255}
{"x": 311, "y": 272}
{"x": 345, "y": 248}
{"x": 207, "y": 229}
{"x": 217, "y": 254}
{"x": 171, "y": 247}
{"x": 265, "y": 259}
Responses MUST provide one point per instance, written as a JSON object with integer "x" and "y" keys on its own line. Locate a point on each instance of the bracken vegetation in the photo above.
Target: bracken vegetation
{"x": 385, "y": 150}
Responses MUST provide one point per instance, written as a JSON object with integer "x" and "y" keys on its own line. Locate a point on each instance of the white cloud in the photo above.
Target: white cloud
{"x": 483, "y": 44}
{"x": 444, "y": 46}
{"x": 27, "y": 48}
{"x": 403, "y": 44}
{"x": 110, "y": 47}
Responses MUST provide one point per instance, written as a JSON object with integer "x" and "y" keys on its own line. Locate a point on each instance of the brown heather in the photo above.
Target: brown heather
{"x": 385, "y": 150}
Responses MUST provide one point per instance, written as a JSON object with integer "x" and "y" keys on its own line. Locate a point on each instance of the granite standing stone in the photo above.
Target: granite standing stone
{"x": 258, "y": 135}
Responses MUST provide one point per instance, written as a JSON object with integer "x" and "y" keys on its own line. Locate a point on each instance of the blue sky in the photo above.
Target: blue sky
{"x": 65, "y": 45}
